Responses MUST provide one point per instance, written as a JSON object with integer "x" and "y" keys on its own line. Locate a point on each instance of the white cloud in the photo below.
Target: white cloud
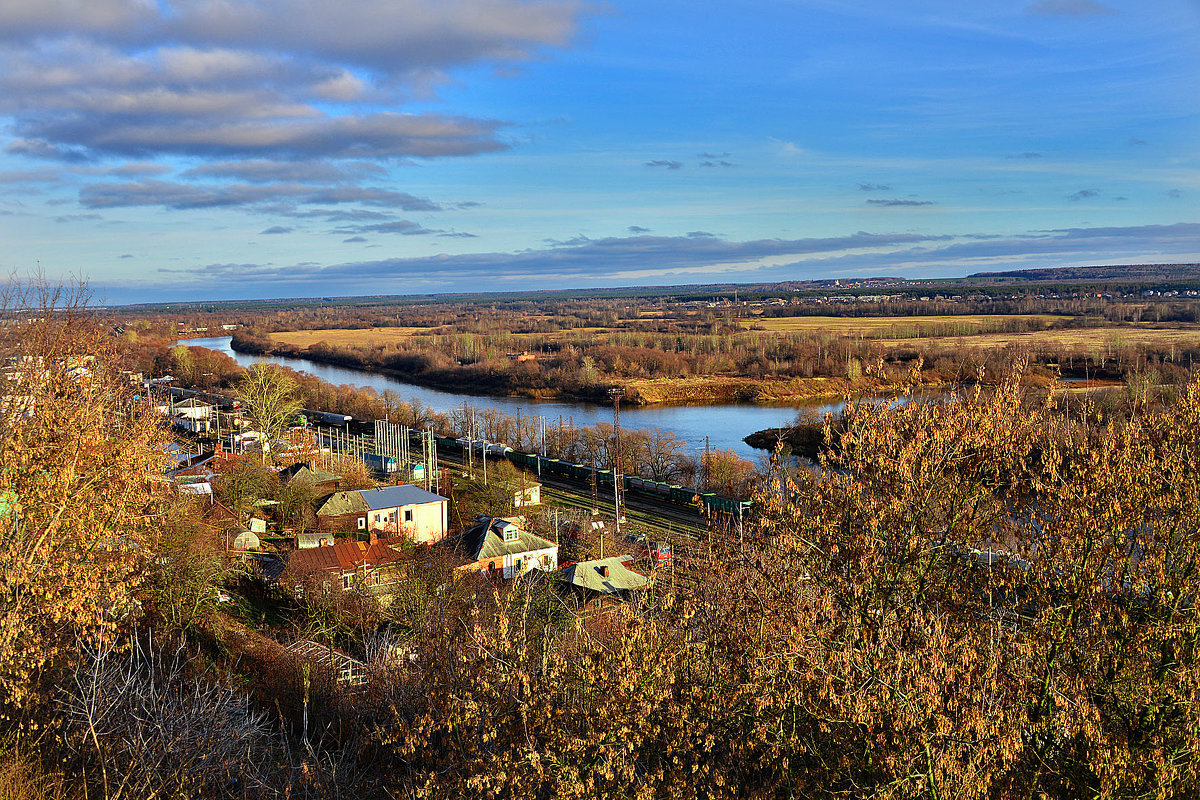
{"x": 259, "y": 81}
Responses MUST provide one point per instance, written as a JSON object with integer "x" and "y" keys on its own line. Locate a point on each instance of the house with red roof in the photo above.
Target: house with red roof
{"x": 373, "y": 566}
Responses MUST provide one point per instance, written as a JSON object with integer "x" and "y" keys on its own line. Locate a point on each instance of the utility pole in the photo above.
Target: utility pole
{"x": 543, "y": 458}
{"x": 615, "y": 393}
{"x": 705, "y": 465}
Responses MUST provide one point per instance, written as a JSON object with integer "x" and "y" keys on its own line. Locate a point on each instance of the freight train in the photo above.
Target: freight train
{"x": 582, "y": 473}
{"x": 630, "y": 484}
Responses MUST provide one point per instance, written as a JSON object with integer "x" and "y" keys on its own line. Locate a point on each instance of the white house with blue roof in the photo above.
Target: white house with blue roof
{"x": 390, "y": 510}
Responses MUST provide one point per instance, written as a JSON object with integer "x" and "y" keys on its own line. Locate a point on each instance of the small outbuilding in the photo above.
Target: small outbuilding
{"x": 245, "y": 541}
{"x": 345, "y": 669}
{"x": 602, "y": 582}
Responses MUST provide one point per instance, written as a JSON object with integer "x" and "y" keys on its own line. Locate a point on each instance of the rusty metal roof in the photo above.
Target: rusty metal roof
{"x": 346, "y": 556}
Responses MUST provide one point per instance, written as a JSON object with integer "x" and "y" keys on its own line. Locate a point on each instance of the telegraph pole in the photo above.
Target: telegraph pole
{"x": 615, "y": 393}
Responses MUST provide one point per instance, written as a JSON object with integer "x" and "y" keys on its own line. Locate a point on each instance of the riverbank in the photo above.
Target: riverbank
{"x": 675, "y": 391}
{"x": 700, "y": 427}
{"x": 807, "y": 439}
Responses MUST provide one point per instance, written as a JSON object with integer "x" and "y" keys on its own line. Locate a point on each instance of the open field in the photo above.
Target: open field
{"x": 895, "y": 327}
{"x": 700, "y": 390}
{"x": 374, "y": 337}
{"x": 1114, "y": 336}
{"x": 343, "y": 337}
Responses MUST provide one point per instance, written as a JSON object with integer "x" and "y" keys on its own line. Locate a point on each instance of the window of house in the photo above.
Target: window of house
{"x": 362, "y": 523}
{"x": 408, "y": 515}
{"x": 345, "y": 583}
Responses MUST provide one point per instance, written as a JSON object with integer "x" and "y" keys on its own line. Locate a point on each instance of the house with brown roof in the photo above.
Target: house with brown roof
{"x": 373, "y": 566}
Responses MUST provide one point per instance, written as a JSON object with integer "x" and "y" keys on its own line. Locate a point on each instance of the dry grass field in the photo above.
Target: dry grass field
{"x": 895, "y": 327}
{"x": 980, "y": 330}
{"x": 372, "y": 337}
{"x": 1074, "y": 338}
{"x": 340, "y": 337}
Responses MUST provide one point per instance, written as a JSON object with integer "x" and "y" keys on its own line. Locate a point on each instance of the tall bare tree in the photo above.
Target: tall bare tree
{"x": 272, "y": 395}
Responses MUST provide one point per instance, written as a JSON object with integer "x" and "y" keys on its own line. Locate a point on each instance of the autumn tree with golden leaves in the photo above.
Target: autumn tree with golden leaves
{"x": 76, "y": 449}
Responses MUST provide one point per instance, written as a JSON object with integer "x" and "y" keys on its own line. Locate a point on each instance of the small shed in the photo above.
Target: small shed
{"x": 306, "y": 541}
{"x": 527, "y": 496}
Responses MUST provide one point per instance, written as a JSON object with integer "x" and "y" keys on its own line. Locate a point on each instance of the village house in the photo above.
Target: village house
{"x": 498, "y": 546}
{"x": 601, "y": 583}
{"x": 321, "y": 480}
{"x": 374, "y": 567}
{"x": 190, "y": 465}
{"x": 184, "y": 472}
{"x": 417, "y": 514}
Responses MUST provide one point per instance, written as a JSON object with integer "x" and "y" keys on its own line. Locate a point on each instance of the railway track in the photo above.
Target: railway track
{"x": 638, "y": 510}
{"x": 643, "y": 511}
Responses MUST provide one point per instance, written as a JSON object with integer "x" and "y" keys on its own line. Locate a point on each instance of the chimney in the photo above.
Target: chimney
{"x": 604, "y": 571}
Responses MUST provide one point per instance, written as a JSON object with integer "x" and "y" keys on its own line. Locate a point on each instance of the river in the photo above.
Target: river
{"x": 724, "y": 425}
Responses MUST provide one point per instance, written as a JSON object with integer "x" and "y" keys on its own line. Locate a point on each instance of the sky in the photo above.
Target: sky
{"x": 236, "y": 149}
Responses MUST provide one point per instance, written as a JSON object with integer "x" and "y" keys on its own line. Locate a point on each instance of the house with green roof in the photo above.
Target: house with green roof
{"x": 601, "y": 583}
{"x": 500, "y": 547}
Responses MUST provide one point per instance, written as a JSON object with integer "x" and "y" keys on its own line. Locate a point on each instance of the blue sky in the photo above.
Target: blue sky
{"x": 216, "y": 149}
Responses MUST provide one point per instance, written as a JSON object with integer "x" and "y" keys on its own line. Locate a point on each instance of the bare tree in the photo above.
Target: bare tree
{"x": 661, "y": 455}
{"x": 271, "y": 393}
